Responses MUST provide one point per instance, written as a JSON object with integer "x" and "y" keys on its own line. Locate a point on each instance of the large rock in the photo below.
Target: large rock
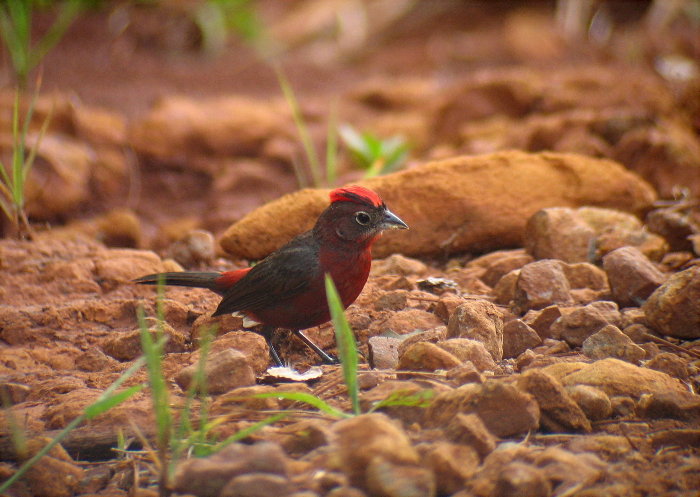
{"x": 615, "y": 377}
{"x": 673, "y": 308}
{"x": 489, "y": 199}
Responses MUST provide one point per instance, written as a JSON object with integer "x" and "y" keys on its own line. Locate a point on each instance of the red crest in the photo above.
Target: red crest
{"x": 357, "y": 194}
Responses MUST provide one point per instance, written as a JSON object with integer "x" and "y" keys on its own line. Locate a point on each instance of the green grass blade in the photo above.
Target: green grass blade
{"x": 71, "y": 426}
{"x": 406, "y": 399}
{"x": 302, "y": 129}
{"x": 246, "y": 432}
{"x": 106, "y": 404}
{"x": 306, "y": 398}
{"x": 347, "y": 347}
{"x": 332, "y": 146}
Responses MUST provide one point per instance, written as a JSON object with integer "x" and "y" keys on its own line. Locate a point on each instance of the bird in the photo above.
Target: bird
{"x": 287, "y": 288}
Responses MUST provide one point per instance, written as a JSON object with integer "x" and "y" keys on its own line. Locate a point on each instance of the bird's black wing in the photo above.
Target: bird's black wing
{"x": 281, "y": 276}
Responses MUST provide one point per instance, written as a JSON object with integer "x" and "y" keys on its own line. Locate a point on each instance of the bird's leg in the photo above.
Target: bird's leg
{"x": 267, "y": 332}
{"x": 328, "y": 359}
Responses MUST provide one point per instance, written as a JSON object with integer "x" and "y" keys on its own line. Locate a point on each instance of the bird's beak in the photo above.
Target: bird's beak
{"x": 392, "y": 222}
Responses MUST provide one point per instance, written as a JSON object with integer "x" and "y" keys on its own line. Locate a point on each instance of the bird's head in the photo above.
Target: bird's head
{"x": 358, "y": 214}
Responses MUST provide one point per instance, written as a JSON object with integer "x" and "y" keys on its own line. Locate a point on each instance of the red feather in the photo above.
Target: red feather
{"x": 357, "y": 194}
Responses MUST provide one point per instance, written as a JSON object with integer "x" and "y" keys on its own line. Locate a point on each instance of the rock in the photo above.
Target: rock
{"x": 632, "y": 276}
{"x": 569, "y": 470}
{"x": 469, "y": 430}
{"x": 559, "y": 233}
{"x": 593, "y": 402}
{"x": 126, "y": 346}
{"x": 425, "y": 356}
{"x": 93, "y": 360}
{"x": 409, "y": 321}
{"x": 464, "y": 373}
{"x": 394, "y": 388}
{"x": 223, "y": 371}
{"x": 399, "y": 264}
{"x": 304, "y": 436}
{"x": 671, "y": 364}
{"x": 558, "y": 411}
{"x": 586, "y": 234}
{"x": 245, "y": 397}
{"x": 252, "y": 345}
{"x": 582, "y": 275}
{"x": 386, "y": 478}
{"x": 452, "y": 464}
{"x": 541, "y": 320}
{"x": 541, "y": 284}
{"x": 463, "y": 186}
{"x": 384, "y": 352}
{"x": 346, "y": 492}
{"x": 574, "y": 327}
{"x": 609, "y": 341}
{"x": 391, "y": 301}
{"x": 194, "y": 248}
{"x": 479, "y": 320}
{"x": 670, "y": 405}
{"x": 518, "y": 337}
{"x": 672, "y": 309}
{"x": 206, "y": 477}
{"x": 615, "y": 377}
{"x": 433, "y": 336}
{"x": 520, "y": 479}
{"x": 257, "y": 485}
{"x": 361, "y": 439}
{"x": 55, "y": 474}
{"x": 473, "y": 351}
{"x": 505, "y": 410}
{"x": 676, "y": 227}
{"x": 504, "y": 291}
{"x": 500, "y": 263}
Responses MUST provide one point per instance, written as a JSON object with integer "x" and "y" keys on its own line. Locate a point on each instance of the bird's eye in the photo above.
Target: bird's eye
{"x": 362, "y": 218}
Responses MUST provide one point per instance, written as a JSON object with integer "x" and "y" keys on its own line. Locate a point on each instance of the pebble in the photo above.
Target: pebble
{"x": 479, "y": 320}
{"x": 518, "y": 336}
{"x": 452, "y": 464}
{"x": 594, "y": 402}
{"x": 558, "y": 411}
{"x": 673, "y": 307}
{"x": 384, "y": 352}
{"x": 466, "y": 349}
{"x": 671, "y": 364}
{"x": 632, "y": 276}
{"x": 577, "y": 325}
{"x": 541, "y": 284}
{"x": 468, "y": 429}
{"x": 224, "y": 371}
{"x": 426, "y": 356}
{"x": 609, "y": 341}
{"x": 386, "y": 478}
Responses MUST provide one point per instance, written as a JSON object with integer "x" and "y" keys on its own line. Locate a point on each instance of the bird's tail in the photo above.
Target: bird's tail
{"x": 184, "y": 278}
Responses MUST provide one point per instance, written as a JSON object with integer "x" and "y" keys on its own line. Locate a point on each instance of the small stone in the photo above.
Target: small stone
{"x": 425, "y": 356}
{"x": 393, "y": 388}
{"x": 569, "y": 470}
{"x": 391, "y": 301}
{"x": 16, "y": 392}
{"x": 55, "y": 474}
{"x": 93, "y": 360}
{"x": 583, "y": 275}
{"x": 632, "y": 276}
{"x": 505, "y": 410}
{"x": 609, "y": 341}
{"x": 409, "y": 321}
{"x": 387, "y": 478}
{"x": 304, "y": 436}
{"x": 447, "y": 305}
{"x": 674, "y": 226}
{"x": 670, "y": 405}
{"x": 384, "y": 352}
{"x": 452, "y": 464}
{"x": 559, "y": 233}
{"x": 399, "y": 264}
{"x": 541, "y": 320}
{"x": 433, "y": 335}
{"x": 468, "y": 429}
{"x": 594, "y": 402}
{"x": 518, "y": 337}
{"x": 346, "y": 492}
{"x": 252, "y": 345}
{"x": 464, "y": 373}
{"x": 479, "y": 320}
{"x": 195, "y": 247}
{"x": 126, "y": 346}
{"x": 507, "y": 261}
{"x": 574, "y": 327}
{"x": 256, "y": 485}
{"x": 206, "y": 477}
{"x": 673, "y": 307}
{"x": 362, "y": 438}
{"x": 622, "y": 406}
{"x": 541, "y": 284}
{"x": 615, "y": 377}
{"x": 558, "y": 411}
{"x": 223, "y": 371}
{"x": 670, "y": 364}
{"x": 638, "y": 333}
{"x": 504, "y": 291}
{"x": 521, "y": 479}
{"x": 466, "y": 349}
